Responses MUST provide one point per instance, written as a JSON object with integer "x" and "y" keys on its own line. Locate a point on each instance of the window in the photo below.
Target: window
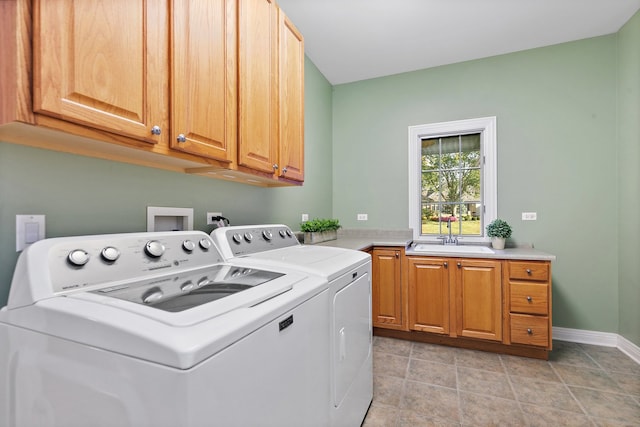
{"x": 452, "y": 178}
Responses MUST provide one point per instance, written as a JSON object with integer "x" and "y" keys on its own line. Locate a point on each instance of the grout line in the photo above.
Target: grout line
{"x": 566, "y": 386}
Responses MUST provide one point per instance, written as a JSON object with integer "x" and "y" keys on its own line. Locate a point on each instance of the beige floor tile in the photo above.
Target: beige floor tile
{"x": 432, "y": 373}
{"x": 479, "y": 360}
{"x": 606, "y": 405}
{"x": 484, "y": 382}
{"x": 591, "y": 378}
{"x": 413, "y": 419}
{"x": 434, "y": 353}
{"x": 387, "y": 390}
{"x": 381, "y": 416}
{"x": 392, "y": 346}
{"x": 479, "y": 410}
{"x": 569, "y": 353}
{"x": 537, "y": 416}
{"x": 545, "y": 394}
{"x": 629, "y": 383}
{"x": 390, "y": 364}
{"x": 530, "y": 368}
{"x": 432, "y": 401}
{"x": 612, "y": 359}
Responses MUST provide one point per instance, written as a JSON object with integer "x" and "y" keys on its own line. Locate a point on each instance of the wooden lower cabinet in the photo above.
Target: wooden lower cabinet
{"x": 494, "y": 305}
{"x": 386, "y": 293}
{"x": 456, "y": 297}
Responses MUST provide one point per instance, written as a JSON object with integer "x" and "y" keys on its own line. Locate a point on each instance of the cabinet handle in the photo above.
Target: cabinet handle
{"x": 182, "y": 138}
{"x": 529, "y": 271}
{"x": 459, "y": 265}
{"x": 529, "y": 299}
{"x": 275, "y": 166}
{"x": 446, "y": 264}
{"x": 284, "y": 170}
{"x": 156, "y": 130}
{"x": 530, "y": 331}
{"x": 397, "y": 254}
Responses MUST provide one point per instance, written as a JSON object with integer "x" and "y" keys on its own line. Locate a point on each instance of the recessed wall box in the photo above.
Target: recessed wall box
{"x": 169, "y": 219}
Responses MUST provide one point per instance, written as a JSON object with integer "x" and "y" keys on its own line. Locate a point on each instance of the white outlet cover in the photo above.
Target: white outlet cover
{"x": 305, "y": 217}
{"x": 29, "y": 229}
{"x": 363, "y": 217}
{"x": 529, "y": 216}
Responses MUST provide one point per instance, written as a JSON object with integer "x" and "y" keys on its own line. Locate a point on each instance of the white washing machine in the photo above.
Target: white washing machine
{"x": 349, "y": 275}
{"x": 155, "y": 329}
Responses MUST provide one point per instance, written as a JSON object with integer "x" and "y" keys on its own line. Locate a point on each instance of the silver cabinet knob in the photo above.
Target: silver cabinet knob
{"x": 530, "y": 331}
{"x": 156, "y": 130}
{"x": 446, "y": 264}
{"x": 284, "y": 170}
{"x": 459, "y": 265}
{"x": 529, "y": 299}
{"x": 275, "y": 166}
{"x": 182, "y": 138}
{"x": 529, "y": 271}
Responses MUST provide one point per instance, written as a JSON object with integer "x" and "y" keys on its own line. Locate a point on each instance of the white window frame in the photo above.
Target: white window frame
{"x": 487, "y": 128}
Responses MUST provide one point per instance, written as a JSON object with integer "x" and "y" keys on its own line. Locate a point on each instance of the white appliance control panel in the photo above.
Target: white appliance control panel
{"x": 250, "y": 239}
{"x": 86, "y": 262}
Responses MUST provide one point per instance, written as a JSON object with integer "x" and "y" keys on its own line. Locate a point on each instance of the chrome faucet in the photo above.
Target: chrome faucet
{"x": 451, "y": 240}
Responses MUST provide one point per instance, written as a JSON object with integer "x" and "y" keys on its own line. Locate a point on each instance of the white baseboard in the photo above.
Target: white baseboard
{"x": 606, "y": 339}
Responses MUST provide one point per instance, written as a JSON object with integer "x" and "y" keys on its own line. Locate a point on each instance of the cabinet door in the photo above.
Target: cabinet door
{"x": 103, "y": 64}
{"x": 429, "y": 295}
{"x": 386, "y": 295}
{"x": 478, "y": 299}
{"x": 203, "y": 78}
{"x": 258, "y": 85}
{"x": 291, "y": 156}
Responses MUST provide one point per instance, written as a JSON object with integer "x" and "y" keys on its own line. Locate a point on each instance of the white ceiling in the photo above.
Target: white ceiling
{"x": 350, "y": 40}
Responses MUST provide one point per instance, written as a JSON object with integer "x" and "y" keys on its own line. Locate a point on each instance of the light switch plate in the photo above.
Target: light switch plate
{"x": 363, "y": 217}
{"x": 29, "y": 229}
{"x": 529, "y": 216}
{"x": 305, "y": 217}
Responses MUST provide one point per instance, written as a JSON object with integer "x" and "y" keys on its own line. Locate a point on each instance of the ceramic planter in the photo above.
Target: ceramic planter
{"x": 320, "y": 236}
{"x": 498, "y": 242}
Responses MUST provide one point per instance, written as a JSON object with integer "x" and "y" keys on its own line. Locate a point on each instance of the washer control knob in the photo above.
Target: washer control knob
{"x": 188, "y": 245}
{"x": 283, "y": 233}
{"x": 78, "y": 257}
{"x": 110, "y": 254}
{"x": 267, "y": 235}
{"x": 289, "y": 233}
{"x": 154, "y": 249}
{"x": 237, "y": 238}
{"x": 152, "y": 295}
{"x": 187, "y": 286}
{"x": 205, "y": 244}
{"x": 248, "y": 237}
{"x": 204, "y": 282}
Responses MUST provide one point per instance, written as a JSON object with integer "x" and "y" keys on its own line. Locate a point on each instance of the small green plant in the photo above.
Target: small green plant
{"x": 499, "y": 228}
{"x": 319, "y": 225}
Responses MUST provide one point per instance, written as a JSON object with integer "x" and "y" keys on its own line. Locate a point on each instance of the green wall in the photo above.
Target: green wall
{"x": 629, "y": 178}
{"x": 81, "y": 195}
{"x": 557, "y": 156}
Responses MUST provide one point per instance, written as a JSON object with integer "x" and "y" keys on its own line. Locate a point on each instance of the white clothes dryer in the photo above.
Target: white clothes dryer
{"x": 349, "y": 275}
{"x": 155, "y": 329}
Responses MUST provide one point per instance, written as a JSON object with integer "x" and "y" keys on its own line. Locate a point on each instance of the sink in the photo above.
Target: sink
{"x": 470, "y": 249}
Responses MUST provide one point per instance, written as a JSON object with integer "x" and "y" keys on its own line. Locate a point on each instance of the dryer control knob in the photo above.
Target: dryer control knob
{"x": 237, "y": 238}
{"x": 283, "y": 233}
{"x": 248, "y": 237}
{"x": 154, "y": 249}
{"x": 110, "y": 254}
{"x": 188, "y": 245}
{"x": 205, "y": 244}
{"x": 152, "y": 295}
{"x": 289, "y": 233}
{"x": 267, "y": 235}
{"x": 78, "y": 257}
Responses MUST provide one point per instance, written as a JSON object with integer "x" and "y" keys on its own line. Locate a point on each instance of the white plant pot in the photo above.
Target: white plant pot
{"x": 497, "y": 242}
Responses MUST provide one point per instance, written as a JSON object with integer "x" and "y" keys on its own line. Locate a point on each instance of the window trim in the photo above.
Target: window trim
{"x": 487, "y": 127}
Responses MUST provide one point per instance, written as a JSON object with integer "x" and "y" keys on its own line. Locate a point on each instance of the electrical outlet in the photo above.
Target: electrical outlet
{"x": 529, "y": 216}
{"x": 210, "y": 215}
{"x": 29, "y": 229}
{"x": 363, "y": 217}
{"x": 305, "y": 217}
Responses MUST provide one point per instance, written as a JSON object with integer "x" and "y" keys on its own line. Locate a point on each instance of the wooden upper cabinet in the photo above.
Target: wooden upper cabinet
{"x": 204, "y": 78}
{"x": 291, "y": 101}
{"x": 479, "y": 299}
{"x": 103, "y": 64}
{"x": 258, "y": 85}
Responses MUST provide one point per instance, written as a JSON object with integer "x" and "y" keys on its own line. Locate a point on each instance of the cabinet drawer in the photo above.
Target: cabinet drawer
{"x": 530, "y": 330}
{"x": 529, "y": 271}
{"x": 530, "y": 298}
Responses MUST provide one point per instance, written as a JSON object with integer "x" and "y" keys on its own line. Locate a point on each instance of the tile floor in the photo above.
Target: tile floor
{"x": 417, "y": 384}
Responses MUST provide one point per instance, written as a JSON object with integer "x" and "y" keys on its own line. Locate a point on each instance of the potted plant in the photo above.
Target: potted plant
{"x": 499, "y": 230}
{"x": 320, "y": 230}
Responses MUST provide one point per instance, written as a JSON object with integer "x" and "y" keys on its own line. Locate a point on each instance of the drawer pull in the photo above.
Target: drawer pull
{"x": 529, "y": 299}
{"x": 530, "y": 331}
{"x": 446, "y": 264}
{"x": 529, "y": 271}
{"x": 459, "y": 265}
